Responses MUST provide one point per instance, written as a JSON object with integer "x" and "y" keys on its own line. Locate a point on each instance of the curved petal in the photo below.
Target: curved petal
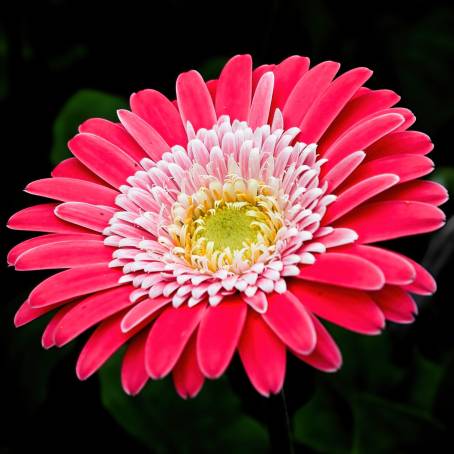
{"x": 351, "y": 309}
{"x": 263, "y": 355}
{"x": 379, "y": 221}
{"x": 143, "y": 311}
{"x": 26, "y": 314}
{"x": 168, "y": 337}
{"x": 261, "y": 103}
{"x": 73, "y": 190}
{"x": 64, "y": 254}
{"x": 48, "y": 337}
{"x": 93, "y": 151}
{"x": 344, "y": 270}
{"x": 187, "y": 376}
{"x": 396, "y": 304}
{"x": 133, "y": 373}
{"x": 161, "y": 114}
{"x": 234, "y": 89}
{"x": 92, "y": 310}
{"x": 85, "y": 215}
{"x": 326, "y": 355}
{"x": 338, "y": 237}
{"x": 194, "y": 101}
{"x": 41, "y": 218}
{"x": 424, "y": 283}
{"x": 342, "y": 170}
{"x": 73, "y": 168}
{"x": 218, "y": 335}
{"x": 290, "y": 321}
{"x": 114, "y": 133}
{"x": 75, "y": 282}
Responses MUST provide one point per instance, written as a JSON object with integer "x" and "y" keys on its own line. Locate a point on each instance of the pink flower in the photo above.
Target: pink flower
{"x": 232, "y": 220}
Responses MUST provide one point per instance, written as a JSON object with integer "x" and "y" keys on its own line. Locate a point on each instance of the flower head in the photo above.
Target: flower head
{"x": 230, "y": 220}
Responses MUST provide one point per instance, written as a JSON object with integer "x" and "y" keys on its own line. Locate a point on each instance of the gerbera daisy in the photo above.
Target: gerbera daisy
{"x": 232, "y": 219}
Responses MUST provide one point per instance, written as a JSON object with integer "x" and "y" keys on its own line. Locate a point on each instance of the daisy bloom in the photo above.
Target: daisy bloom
{"x": 232, "y": 220}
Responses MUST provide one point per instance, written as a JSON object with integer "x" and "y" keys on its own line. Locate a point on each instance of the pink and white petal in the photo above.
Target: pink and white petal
{"x": 50, "y": 238}
{"x": 234, "y": 89}
{"x": 144, "y": 310}
{"x": 286, "y": 75}
{"x": 257, "y": 74}
{"x": 187, "y": 376}
{"x": 356, "y": 194}
{"x": 94, "y": 151}
{"x": 343, "y": 270}
{"x": 72, "y": 190}
{"x": 326, "y": 108}
{"x": 41, "y": 218}
{"x": 380, "y": 221}
{"x": 72, "y": 283}
{"x": 338, "y": 237}
{"x": 194, "y": 101}
{"x": 90, "y": 311}
{"x": 144, "y": 134}
{"x": 64, "y": 254}
{"x": 396, "y": 304}
{"x": 351, "y": 309}
{"x": 342, "y": 170}
{"x": 218, "y": 335}
{"x": 161, "y": 114}
{"x": 263, "y": 355}
{"x": 85, "y": 215}
{"x": 261, "y": 103}
{"x": 102, "y": 344}
{"x": 309, "y": 87}
{"x": 326, "y": 355}
{"x": 73, "y": 168}
{"x": 114, "y": 133}
{"x": 168, "y": 337}
{"x": 133, "y": 373}
{"x": 417, "y": 191}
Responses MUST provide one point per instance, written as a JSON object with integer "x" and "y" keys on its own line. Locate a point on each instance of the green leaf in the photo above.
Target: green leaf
{"x": 382, "y": 426}
{"x": 159, "y": 418}
{"x": 321, "y": 424}
{"x": 83, "y": 105}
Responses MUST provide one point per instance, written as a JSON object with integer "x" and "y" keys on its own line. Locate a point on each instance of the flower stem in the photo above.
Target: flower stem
{"x": 279, "y": 429}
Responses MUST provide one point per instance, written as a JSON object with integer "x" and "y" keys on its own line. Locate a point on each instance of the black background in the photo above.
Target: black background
{"x": 51, "y": 49}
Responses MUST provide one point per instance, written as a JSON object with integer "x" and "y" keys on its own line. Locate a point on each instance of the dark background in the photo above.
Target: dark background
{"x": 396, "y": 394}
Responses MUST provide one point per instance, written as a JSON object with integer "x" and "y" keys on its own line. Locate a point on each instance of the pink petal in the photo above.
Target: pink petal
{"x": 309, "y": 87}
{"x": 133, "y": 373}
{"x": 114, "y": 133}
{"x": 144, "y": 134}
{"x": 351, "y": 309}
{"x": 257, "y": 74}
{"x": 74, "y": 282}
{"x": 405, "y": 166}
{"x": 286, "y": 75}
{"x": 338, "y": 237}
{"x": 31, "y": 243}
{"x": 168, "y": 337}
{"x": 187, "y": 377}
{"x": 73, "y": 168}
{"x": 261, "y": 103}
{"x": 424, "y": 283}
{"x": 379, "y": 221}
{"x": 360, "y": 137}
{"x": 417, "y": 191}
{"x": 397, "y": 270}
{"x": 41, "y": 218}
{"x": 161, "y": 114}
{"x": 102, "y": 344}
{"x": 344, "y": 270}
{"x": 84, "y": 214}
{"x": 410, "y": 142}
{"x": 194, "y": 101}
{"x": 290, "y": 321}
{"x": 218, "y": 335}
{"x": 47, "y": 339}
{"x": 64, "y": 254}
{"x": 95, "y": 152}
{"x": 233, "y": 94}
{"x": 326, "y": 355}
{"x": 358, "y": 108}
{"x": 263, "y": 355}
{"x": 396, "y": 304}
{"x": 342, "y": 170}
{"x": 90, "y": 311}
{"x": 72, "y": 190}
{"x": 357, "y": 194}
{"x": 26, "y": 314}
{"x": 325, "y": 108}
{"x": 142, "y": 311}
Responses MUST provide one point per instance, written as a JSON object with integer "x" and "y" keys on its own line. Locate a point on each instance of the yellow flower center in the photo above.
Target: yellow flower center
{"x": 229, "y": 226}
